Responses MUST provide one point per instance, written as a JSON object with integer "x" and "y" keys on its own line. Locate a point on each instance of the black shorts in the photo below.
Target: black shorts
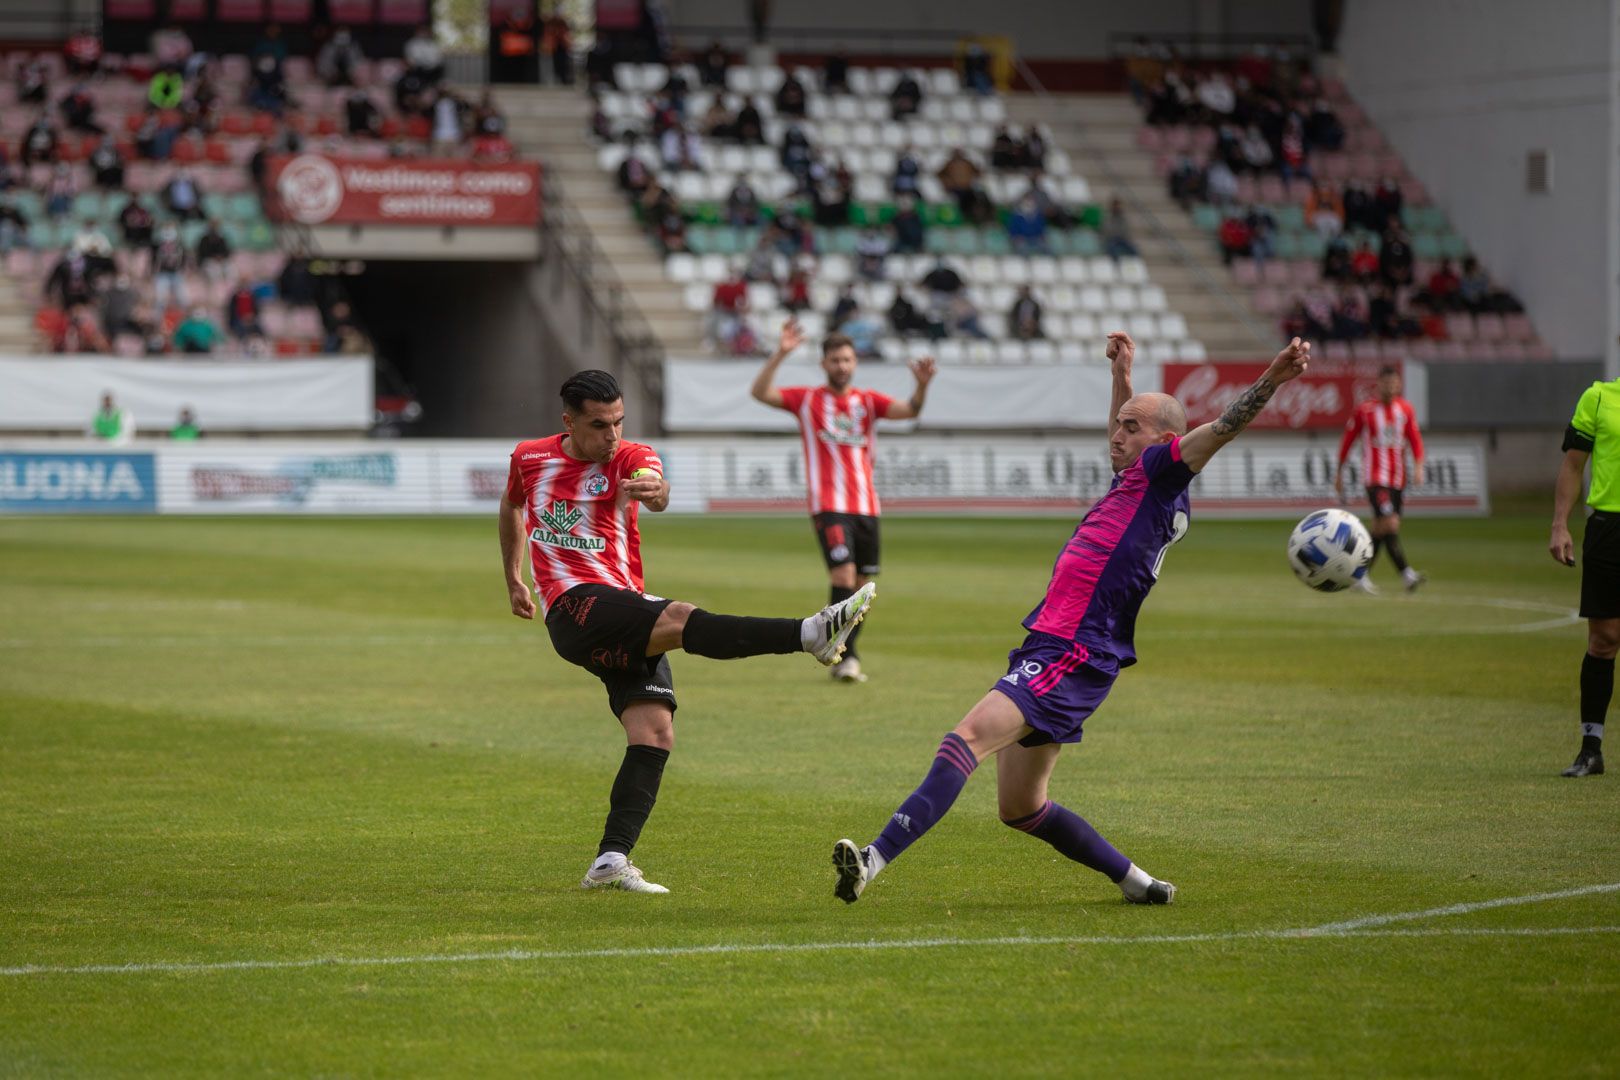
{"x": 849, "y": 538}
{"x": 1600, "y": 567}
{"x": 605, "y": 631}
{"x": 1385, "y": 501}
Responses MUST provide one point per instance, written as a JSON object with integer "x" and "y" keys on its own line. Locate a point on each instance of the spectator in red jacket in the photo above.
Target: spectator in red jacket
{"x": 82, "y": 52}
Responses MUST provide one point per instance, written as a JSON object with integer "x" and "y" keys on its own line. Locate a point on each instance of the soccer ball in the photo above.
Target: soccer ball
{"x": 1329, "y": 550}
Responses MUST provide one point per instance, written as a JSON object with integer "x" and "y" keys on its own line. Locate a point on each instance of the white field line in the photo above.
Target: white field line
{"x": 1355, "y": 928}
{"x": 255, "y": 641}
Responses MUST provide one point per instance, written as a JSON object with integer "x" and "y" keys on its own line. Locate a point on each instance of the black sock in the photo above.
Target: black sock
{"x": 1396, "y": 554}
{"x": 726, "y": 637}
{"x": 836, "y": 594}
{"x": 1378, "y": 543}
{"x": 635, "y": 790}
{"x": 1597, "y": 686}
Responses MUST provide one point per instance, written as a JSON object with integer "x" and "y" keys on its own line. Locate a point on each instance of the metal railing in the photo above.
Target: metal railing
{"x": 565, "y": 231}
{"x": 1218, "y": 288}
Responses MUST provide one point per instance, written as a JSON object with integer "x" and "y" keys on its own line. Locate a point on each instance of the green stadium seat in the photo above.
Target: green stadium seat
{"x": 87, "y": 204}
{"x": 1453, "y": 246}
{"x": 697, "y": 240}
{"x": 727, "y": 241}
{"x": 244, "y": 207}
{"x": 966, "y": 241}
{"x": 191, "y": 232}
{"x": 1285, "y": 245}
{"x": 944, "y": 214}
{"x": 260, "y": 237}
{"x": 1087, "y": 243}
{"x": 994, "y": 241}
{"x": 839, "y": 241}
{"x": 29, "y": 203}
{"x": 1290, "y": 217}
{"x": 1206, "y": 217}
{"x": 1425, "y": 246}
{"x": 1312, "y": 245}
{"x": 1090, "y": 216}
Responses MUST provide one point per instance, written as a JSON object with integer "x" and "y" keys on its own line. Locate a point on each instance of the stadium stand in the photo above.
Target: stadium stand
{"x": 905, "y": 211}
{"x": 1319, "y": 221}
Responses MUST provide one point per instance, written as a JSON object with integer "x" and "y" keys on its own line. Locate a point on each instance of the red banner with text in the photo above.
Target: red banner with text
{"x": 316, "y": 189}
{"x": 1321, "y": 398}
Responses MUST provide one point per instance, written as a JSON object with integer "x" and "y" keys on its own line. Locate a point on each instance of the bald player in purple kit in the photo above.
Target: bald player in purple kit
{"x": 1080, "y": 635}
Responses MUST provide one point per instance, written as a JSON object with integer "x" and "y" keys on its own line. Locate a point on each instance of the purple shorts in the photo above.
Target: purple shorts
{"x": 1056, "y": 684}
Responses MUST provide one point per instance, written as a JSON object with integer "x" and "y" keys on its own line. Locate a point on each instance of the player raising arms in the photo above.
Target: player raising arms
{"x": 1387, "y": 428}
{"x": 575, "y": 497}
{"x": 1079, "y": 636}
{"x": 835, "y": 422}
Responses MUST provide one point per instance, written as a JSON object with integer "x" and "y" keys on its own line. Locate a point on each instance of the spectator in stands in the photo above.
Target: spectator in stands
{"x": 242, "y": 312}
{"x": 267, "y": 86}
{"x": 942, "y": 284}
{"x": 960, "y": 179}
{"x": 1324, "y": 211}
{"x": 487, "y": 118}
{"x": 33, "y": 82}
{"x": 111, "y": 424}
{"x": 492, "y": 149}
{"x": 118, "y": 304}
{"x": 750, "y": 125}
{"x": 1006, "y": 152}
{"x": 976, "y": 70}
{"x": 791, "y": 234}
{"x": 1257, "y": 155}
{"x": 1443, "y": 287}
{"x": 1386, "y": 320}
{"x": 1336, "y": 261}
{"x": 835, "y": 74}
{"x": 447, "y": 133}
{"x": 681, "y": 150}
{"x": 185, "y": 427}
{"x": 71, "y": 281}
{"x": 830, "y": 198}
{"x": 107, "y": 165}
{"x": 797, "y": 156}
{"x": 1024, "y": 317}
{"x": 82, "y": 52}
{"x": 728, "y": 303}
{"x": 790, "y": 97}
{"x": 843, "y": 307}
{"x": 339, "y": 59}
{"x": 1034, "y": 150}
{"x": 171, "y": 48}
{"x": 557, "y": 41}
{"x": 1359, "y": 212}
{"x": 361, "y": 114}
{"x": 1364, "y": 262}
{"x": 196, "y": 335}
{"x": 794, "y": 293}
{"x": 742, "y": 205}
{"x": 341, "y": 334}
{"x": 94, "y": 243}
{"x": 907, "y": 320}
{"x": 13, "y": 228}
{"x": 1318, "y": 307}
{"x": 871, "y": 251}
{"x": 517, "y": 54}
{"x": 39, "y": 143}
{"x": 1262, "y": 233}
{"x": 136, "y": 222}
{"x": 182, "y": 196}
{"x": 154, "y": 137}
{"x": 9, "y": 177}
{"x": 907, "y": 172}
{"x": 60, "y": 190}
{"x": 718, "y": 123}
{"x": 76, "y": 331}
{"x": 671, "y": 233}
{"x": 1387, "y": 201}
{"x": 910, "y": 232}
{"x": 962, "y": 316}
{"x": 712, "y": 65}
{"x": 270, "y": 46}
{"x": 1323, "y": 131}
{"x": 78, "y": 110}
{"x": 1116, "y": 232}
{"x": 863, "y": 330}
{"x": 1473, "y": 285}
{"x": 1291, "y": 156}
{"x": 1026, "y": 228}
{"x": 1187, "y": 182}
{"x": 1220, "y": 182}
{"x": 1351, "y": 319}
{"x": 906, "y": 97}
{"x": 213, "y": 253}
{"x": 169, "y": 261}
{"x": 1235, "y": 237}
{"x": 634, "y": 173}
{"x": 1216, "y": 97}
{"x": 656, "y": 203}
{"x": 1395, "y": 258}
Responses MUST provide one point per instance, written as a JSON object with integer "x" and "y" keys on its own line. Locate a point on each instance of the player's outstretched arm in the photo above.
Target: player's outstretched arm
{"x": 1200, "y": 444}
{"x": 764, "y": 388}
{"x": 1121, "y": 351}
{"x": 1568, "y": 489}
{"x": 512, "y": 560}
{"x": 922, "y": 369}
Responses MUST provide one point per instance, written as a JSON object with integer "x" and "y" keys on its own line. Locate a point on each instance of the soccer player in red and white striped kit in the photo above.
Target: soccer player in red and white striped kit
{"x": 835, "y": 422}
{"x": 574, "y": 497}
{"x": 1388, "y": 430}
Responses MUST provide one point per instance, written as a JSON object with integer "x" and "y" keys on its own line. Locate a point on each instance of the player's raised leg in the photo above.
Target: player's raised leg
{"x": 992, "y": 724}
{"x": 823, "y": 635}
{"x": 1022, "y": 773}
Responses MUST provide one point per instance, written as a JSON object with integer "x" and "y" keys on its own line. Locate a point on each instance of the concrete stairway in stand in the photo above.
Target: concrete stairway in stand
{"x": 552, "y": 124}
{"x": 1098, "y": 131}
{"x": 16, "y": 319}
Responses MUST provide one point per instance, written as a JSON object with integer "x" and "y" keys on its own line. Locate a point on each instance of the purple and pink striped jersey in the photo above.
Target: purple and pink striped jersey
{"x": 1105, "y": 571}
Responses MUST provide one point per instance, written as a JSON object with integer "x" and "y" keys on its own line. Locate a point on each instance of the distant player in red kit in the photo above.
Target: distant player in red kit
{"x": 575, "y": 497}
{"x": 835, "y": 422}
{"x": 1388, "y": 430}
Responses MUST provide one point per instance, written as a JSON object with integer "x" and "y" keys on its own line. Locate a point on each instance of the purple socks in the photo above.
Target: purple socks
{"x": 953, "y": 764}
{"x": 1074, "y": 837}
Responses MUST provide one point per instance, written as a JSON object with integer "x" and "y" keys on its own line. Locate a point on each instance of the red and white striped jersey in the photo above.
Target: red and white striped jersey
{"x": 1387, "y": 432}
{"x": 581, "y": 529}
{"x": 837, "y": 433}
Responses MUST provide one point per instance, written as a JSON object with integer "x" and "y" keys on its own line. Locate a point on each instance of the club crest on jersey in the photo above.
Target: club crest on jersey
{"x": 844, "y": 430}
{"x": 596, "y": 485}
{"x": 557, "y": 525}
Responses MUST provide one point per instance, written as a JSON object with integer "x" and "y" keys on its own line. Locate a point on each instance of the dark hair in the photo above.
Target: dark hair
{"x": 589, "y": 385}
{"x": 1388, "y": 369}
{"x": 835, "y": 341}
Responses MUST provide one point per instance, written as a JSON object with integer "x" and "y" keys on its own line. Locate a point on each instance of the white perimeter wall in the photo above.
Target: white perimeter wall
{"x": 1464, "y": 89}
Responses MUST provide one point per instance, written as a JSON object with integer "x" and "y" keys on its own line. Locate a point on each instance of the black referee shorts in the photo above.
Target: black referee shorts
{"x": 605, "y": 631}
{"x": 1600, "y": 566}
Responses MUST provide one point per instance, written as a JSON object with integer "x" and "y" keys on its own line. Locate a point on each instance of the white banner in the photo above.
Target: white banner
{"x": 63, "y": 392}
{"x": 1260, "y": 475}
{"x": 712, "y": 395}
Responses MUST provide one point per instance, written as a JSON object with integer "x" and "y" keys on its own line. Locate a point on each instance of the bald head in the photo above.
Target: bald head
{"x": 1162, "y": 411}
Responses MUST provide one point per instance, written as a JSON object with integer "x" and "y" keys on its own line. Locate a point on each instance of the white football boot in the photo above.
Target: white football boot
{"x": 855, "y": 870}
{"x": 826, "y": 632}
{"x": 619, "y": 874}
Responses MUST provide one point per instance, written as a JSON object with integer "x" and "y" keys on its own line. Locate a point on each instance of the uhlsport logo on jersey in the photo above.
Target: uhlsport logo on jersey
{"x": 557, "y": 526}
{"x": 78, "y": 483}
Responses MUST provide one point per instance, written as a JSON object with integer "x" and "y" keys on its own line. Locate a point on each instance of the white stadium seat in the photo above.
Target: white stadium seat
{"x": 1172, "y": 325}
{"x": 1102, "y": 270}
{"x": 1011, "y": 352}
{"x": 1042, "y": 352}
{"x": 1122, "y": 298}
{"x": 681, "y": 268}
{"x": 945, "y": 82}
{"x": 1093, "y": 299}
{"x": 950, "y": 351}
{"x": 697, "y": 296}
{"x": 981, "y": 352}
{"x": 711, "y": 267}
{"x": 992, "y": 111}
{"x": 1143, "y": 326}
{"x": 1075, "y": 190}
{"x": 1151, "y": 298}
{"x": 1072, "y": 268}
{"x": 1133, "y": 270}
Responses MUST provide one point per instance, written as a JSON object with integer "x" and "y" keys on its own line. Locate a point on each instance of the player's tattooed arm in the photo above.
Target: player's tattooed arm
{"x": 1200, "y": 444}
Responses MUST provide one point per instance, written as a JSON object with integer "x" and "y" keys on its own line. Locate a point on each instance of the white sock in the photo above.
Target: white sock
{"x": 809, "y": 634}
{"x": 607, "y": 859}
{"x": 876, "y": 861}
{"x": 1409, "y": 574}
{"x": 1135, "y": 882}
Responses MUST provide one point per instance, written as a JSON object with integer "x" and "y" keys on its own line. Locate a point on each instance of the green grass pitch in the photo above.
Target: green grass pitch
{"x": 231, "y": 746}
